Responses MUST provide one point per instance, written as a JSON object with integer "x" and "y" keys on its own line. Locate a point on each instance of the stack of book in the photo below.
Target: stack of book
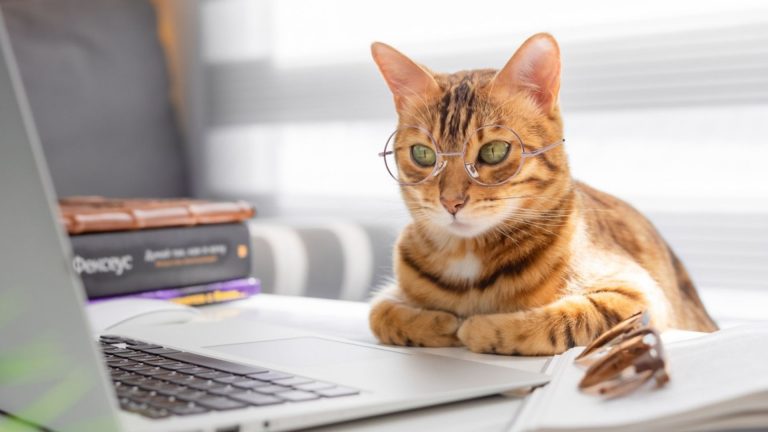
{"x": 189, "y": 251}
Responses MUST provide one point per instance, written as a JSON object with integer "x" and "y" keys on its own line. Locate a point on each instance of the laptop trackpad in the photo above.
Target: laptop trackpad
{"x": 303, "y": 351}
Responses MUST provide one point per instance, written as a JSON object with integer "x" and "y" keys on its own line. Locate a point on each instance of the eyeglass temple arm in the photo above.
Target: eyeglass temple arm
{"x": 545, "y": 148}
{"x": 386, "y": 153}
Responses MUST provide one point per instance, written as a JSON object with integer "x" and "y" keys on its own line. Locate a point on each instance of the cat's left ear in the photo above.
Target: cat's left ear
{"x": 535, "y": 68}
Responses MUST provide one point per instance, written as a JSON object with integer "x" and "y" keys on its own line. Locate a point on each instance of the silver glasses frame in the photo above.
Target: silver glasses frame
{"x": 469, "y": 167}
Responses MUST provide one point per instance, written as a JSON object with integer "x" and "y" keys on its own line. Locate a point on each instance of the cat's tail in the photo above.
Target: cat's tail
{"x": 697, "y": 312}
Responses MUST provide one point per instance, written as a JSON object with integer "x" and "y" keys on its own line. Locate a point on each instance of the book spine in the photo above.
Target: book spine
{"x": 129, "y": 262}
{"x": 198, "y": 295}
{"x": 219, "y": 292}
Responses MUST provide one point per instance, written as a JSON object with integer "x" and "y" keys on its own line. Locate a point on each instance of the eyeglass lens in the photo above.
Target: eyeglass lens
{"x": 491, "y": 155}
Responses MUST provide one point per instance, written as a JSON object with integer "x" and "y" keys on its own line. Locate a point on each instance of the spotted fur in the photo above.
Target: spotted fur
{"x": 559, "y": 261}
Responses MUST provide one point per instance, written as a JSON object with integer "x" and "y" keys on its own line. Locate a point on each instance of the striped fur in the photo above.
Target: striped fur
{"x": 559, "y": 261}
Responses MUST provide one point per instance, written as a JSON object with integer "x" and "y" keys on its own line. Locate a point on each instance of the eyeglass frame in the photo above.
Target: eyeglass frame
{"x": 469, "y": 167}
{"x": 607, "y": 376}
{"x": 612, "y": 337}
{"x": 614, "y": 345}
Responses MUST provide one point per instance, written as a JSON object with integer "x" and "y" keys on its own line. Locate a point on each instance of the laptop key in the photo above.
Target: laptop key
{"x": 219, "y": 403}
{"x": 317, "y": 385}
{"x": 206, "y": 385}
{"x": 136, "y": 367}
{"x": 142, "y": 346}
{"x": 213, "y": 363}
{"x": 257, "y": 399}
{"x": 161, "y": 351}
{"x": 294, "y": 381}
{"x": 270, "y": 376}
{"x": 151, "y": 372}
{"x": 230, "y": 379}
{"x": 195, "y": 370}
{"x": 164, "y": 402}
{"x": 144, "y": 408}
{"x": 160, "y": 361}
{"x": 337, "y": 391}
{"x": 149, "y": 384}
{"x": 133, "y": 380}
{"x": 191, "y": 394}
{"x": 153, "y": 385}
{"x": 131, "y": 392}
{"x": 132, "y": 406}
{"x": 246, "y": 383}
{"x": 188, "y": 409}
{"x": 115, "y": 350}
{"x": 214, "y": 375}
{"x": 149, "y": 357}
{"x": 297, "y": 396}
{"x": 271, "y": 389}
{"x": 130, "y": 354}
{"x": 121, "y": 362}
{"x": 175, "y": 366}
{"x": 177, "y": 378}
{"x": 154, "y": 413}
{"x": 170, "y": 389}
{"x": 225, "y": 391}
{"x": 118, "y": 374}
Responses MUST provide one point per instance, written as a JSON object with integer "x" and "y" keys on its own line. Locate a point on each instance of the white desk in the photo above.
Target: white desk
{"x": 350, "y": 320}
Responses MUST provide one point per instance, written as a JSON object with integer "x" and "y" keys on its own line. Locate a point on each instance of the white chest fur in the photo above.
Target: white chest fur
{"x": 465, "y": 268}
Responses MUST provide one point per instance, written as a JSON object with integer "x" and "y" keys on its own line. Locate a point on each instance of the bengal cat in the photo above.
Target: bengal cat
{"x": 533, "y": 264}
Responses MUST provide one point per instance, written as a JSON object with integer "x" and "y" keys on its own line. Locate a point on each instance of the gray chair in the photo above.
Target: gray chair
{"x": 98, "y": 87}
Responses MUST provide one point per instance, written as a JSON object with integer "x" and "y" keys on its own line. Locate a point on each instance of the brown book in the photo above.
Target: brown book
{"x": 84, "y": 214}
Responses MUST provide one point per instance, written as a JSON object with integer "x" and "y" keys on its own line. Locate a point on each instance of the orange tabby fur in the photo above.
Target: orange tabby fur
{"x": 537, "y": 265}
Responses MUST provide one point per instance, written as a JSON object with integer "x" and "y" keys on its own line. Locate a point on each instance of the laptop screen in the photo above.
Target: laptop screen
{"x": 49, "y": 370}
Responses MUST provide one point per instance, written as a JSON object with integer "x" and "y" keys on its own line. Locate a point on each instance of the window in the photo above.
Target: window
{"x": 664, "y": 103}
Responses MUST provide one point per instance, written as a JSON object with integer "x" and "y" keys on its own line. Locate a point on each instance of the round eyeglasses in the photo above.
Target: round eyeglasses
{"x": 411, "y": 155}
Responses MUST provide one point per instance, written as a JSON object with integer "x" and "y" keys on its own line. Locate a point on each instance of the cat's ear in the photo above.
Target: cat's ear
{"x": 535, "y": 67}
{"x": 406, "y": 79}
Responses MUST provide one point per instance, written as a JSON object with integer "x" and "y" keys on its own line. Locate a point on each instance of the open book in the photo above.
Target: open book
{"x": 718, "y": 382}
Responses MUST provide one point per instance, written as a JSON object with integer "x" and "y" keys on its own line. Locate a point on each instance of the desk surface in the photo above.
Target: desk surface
{"x": 350, "y": 320}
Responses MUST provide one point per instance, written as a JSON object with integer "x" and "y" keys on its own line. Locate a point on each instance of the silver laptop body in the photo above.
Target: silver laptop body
{"x": 52, "y": 373}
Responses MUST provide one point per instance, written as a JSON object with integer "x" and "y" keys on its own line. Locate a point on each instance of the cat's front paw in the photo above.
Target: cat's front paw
{"x": 480, "y": 334}
{"x": 394, "y": 323}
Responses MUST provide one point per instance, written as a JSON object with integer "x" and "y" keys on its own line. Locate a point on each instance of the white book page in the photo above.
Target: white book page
{"x": 705, "y": 372}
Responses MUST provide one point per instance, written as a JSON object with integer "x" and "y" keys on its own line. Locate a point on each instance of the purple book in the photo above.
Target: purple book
{"x": 197, "y": 295}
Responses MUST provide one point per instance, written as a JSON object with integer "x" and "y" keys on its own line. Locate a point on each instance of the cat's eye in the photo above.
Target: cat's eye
{"x": 493, "y": 152}
{"x": 423, "y": 155}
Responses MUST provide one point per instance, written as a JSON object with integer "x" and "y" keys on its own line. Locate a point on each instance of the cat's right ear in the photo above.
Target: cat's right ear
{"x": 406, "y": 79}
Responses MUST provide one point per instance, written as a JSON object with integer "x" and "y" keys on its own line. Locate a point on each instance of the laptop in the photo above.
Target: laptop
{"x": 211, "y": 376}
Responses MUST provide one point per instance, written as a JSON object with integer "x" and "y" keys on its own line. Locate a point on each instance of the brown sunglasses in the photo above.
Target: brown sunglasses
{"x": 623, "y": 358}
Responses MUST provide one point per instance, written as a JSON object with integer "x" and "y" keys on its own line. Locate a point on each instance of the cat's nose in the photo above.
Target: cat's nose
{"x": 453, "y": 204}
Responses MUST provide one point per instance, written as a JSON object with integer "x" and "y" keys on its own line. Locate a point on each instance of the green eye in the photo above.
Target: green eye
{"x": 423, "y": 155}
{"x": 493, "y": 152}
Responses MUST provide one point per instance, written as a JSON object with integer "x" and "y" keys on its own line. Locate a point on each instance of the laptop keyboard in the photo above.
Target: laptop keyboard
{"x": 159, "y": 382}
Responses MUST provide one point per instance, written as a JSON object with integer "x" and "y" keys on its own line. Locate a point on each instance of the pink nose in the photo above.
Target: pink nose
{"x": 454, "y": 204}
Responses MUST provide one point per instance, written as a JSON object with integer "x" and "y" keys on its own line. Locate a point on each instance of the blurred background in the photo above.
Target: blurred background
{"x": 278, "y": 102}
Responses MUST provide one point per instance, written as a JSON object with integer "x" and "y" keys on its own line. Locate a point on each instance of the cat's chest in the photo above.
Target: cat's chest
{"x": 465, "y": 267}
